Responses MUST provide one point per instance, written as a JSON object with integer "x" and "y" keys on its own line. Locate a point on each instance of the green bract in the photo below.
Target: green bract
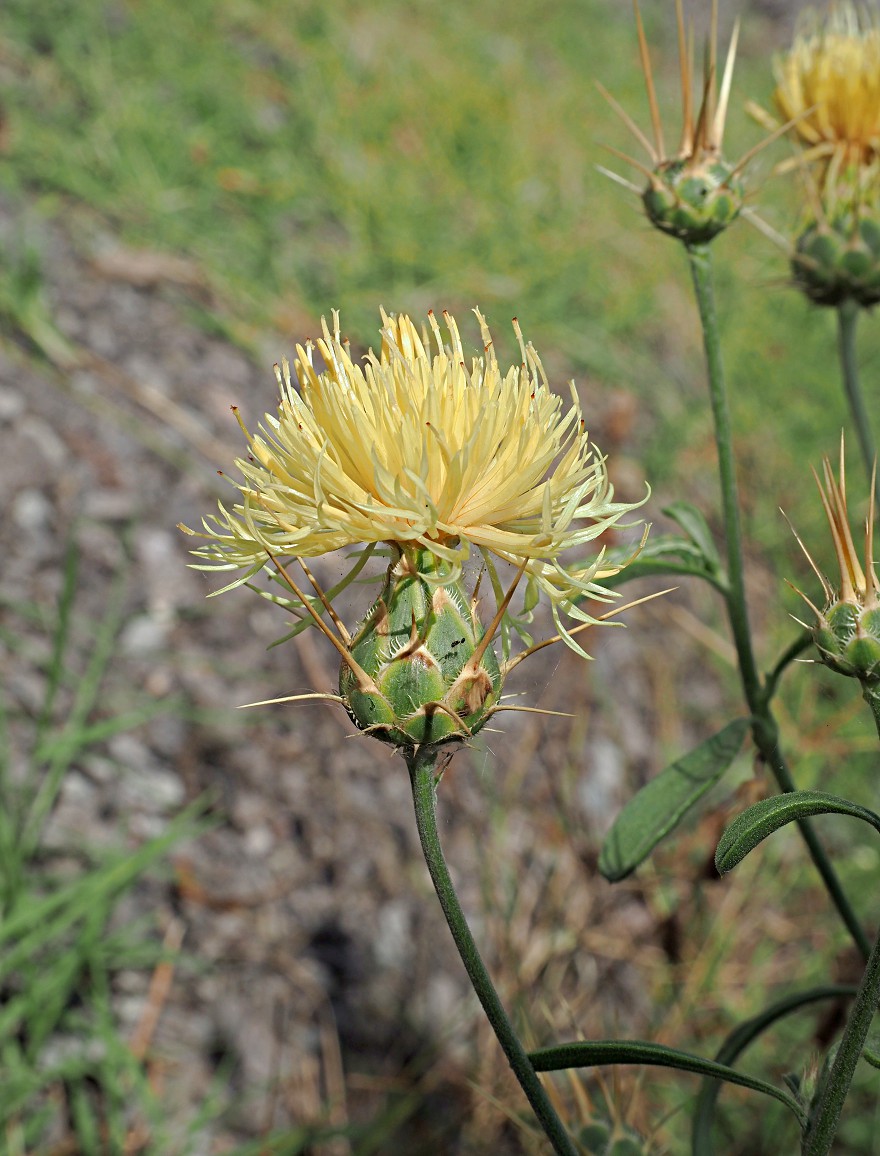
{"x": 693, "y": 202}
{"x": 848, "y": 639}
{"x": 839, "y": 260}
{"x": 426, "y": 680}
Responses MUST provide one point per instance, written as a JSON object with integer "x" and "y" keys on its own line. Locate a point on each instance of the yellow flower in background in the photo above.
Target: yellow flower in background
{"x": 423, "y": 449}
{"x": 828, "y": 93}
{"x": 829, "y": 86}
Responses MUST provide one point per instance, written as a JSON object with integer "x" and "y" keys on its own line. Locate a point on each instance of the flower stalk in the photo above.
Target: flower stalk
{"x": 765, "y": 729}
{"x": 847, "y": 322}
{"x": 423, "y": 780}
{"x": 825, "y": 1116}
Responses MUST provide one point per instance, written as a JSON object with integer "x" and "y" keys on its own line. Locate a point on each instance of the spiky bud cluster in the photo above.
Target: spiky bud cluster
{"x": 600, "y": 1138}
{"x": 847, "y": 636}
{"x": 838, "y": 259}
{"x": 692, "y": 194}
{"x": 423, "y": 672}
{"x": 847, "y": 630}
{"x": 693, "y": 202}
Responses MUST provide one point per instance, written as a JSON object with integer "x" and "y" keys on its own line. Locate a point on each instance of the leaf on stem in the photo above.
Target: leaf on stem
{"x": 660, "y": 806}
{"x": 762, "y": 819}
{"x": 591, "y": 1053}
{"x": 693, "y": 556}
{"x": 694, "y": 524}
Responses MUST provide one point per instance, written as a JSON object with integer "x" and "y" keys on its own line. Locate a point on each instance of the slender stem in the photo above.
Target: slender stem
{"x": 826, "y": 1114}
{"x": 803, "y": 642}
{"x": 764, "y": 726}
{"x": 847, "y": 318}
{"x": 422, "y": 779}
{"x": 701, "y": 271}
{"x": 871, "y": 695}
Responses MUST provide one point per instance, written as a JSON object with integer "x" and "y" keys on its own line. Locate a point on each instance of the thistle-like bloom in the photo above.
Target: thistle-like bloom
{"x": 416, "y": 447}
{"x": 828, "y": 87}
{"x": 431, "y": 456}
{"x": 847, "y": 628}
{"x": 694, "y": 193}
{"x": 828, "y": 91}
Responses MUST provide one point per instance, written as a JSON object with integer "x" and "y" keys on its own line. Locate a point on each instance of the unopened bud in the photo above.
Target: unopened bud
{"x": 420, "y": 674}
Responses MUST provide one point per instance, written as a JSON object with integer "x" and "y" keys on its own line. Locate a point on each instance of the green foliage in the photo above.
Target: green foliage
{"x": 694, "y": 556}
{"x": 588, "y": 1053}
{"x": 310, "y": 155}
{"x": 760, "y": 820}
{"x": 658, "y": 808}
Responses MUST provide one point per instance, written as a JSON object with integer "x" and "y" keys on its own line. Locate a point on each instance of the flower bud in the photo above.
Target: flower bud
{"x": 838, "y": 259}
{"x": 422, "y": 672}
{"x": 847, "y": 630}
{"x": 693, "y": 202}
{"x": 847, "y": 636}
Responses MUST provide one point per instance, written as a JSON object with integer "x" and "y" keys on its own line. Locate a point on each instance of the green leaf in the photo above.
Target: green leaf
{"x": 662, "y": 554}
{"x": 694, "y": 556}
{"x": 762, "y": 819}
{"x": 697, "y": 529}
{"x": 736, "y": 1043}
{"x": 590, "y": 1053}
{"x": 660, "y": 806}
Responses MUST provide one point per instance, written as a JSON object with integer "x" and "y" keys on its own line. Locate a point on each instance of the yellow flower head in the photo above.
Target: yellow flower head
{"x": 419, "y": 447}
{"x": 829, "y": 86}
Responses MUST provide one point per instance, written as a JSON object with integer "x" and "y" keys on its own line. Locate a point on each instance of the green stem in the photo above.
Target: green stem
{"x": 847, "y": 318}
{"x": 871, "y": 695}
{"x": 826, "y": 1114}
{"x": 764, "y": 726}
{"x": 422, "y": 779}
{"x": 803, "y": 642}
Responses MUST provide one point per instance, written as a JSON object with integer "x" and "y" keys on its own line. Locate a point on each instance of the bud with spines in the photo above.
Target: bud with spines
{"x": 847, "y": 630}
{"x": 422, "y": 672}
{"x": 847, "y": 636}
{"x": 693, "y": 202}
{"x": 837, "y": 259}
{"x": 692, "y": 194}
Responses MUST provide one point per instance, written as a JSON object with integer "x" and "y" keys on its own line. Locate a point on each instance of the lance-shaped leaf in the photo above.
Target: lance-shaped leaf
{"x": 762, "y": 819}
{"x": 697, "y": 529}
{"x": 591, "y": 1053}
{"x": 660, "y": 806}
{"x": 694, "y": 556}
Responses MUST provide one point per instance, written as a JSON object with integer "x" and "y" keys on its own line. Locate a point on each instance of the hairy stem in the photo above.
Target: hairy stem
{"x": 825, "y": 1116}
{"x": 421, "y": 765}
{"x": 764, "y": 726}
